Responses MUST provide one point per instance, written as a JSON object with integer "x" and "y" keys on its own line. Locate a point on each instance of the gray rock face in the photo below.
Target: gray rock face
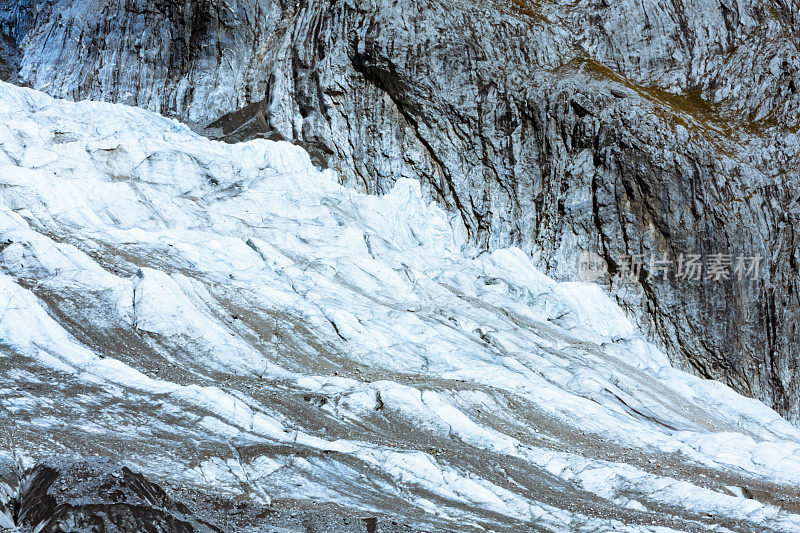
{"x": 64, "y": 495}
{"x": 621, "y": 128}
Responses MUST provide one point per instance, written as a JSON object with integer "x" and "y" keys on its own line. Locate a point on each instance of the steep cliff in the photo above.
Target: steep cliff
{"x": 621, "y": 128}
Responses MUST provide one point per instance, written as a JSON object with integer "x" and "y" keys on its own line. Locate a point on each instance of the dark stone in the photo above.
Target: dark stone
{"x": 71, "y": 496}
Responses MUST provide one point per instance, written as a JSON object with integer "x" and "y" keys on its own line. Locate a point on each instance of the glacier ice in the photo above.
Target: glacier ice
{"x": 230, "y": 318}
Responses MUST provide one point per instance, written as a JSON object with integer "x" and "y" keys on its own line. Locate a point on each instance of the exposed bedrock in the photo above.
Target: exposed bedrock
{"x": 62, "y": 495}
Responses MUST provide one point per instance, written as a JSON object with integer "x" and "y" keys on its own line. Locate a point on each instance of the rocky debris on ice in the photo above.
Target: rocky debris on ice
{"x": 234, "y": 323}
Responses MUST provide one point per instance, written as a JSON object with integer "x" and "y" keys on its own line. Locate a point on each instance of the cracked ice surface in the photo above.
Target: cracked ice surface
{"x": 228, "y": 318}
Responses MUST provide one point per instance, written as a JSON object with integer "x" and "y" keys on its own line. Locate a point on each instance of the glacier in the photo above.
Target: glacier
{"x": 234, "y": 323}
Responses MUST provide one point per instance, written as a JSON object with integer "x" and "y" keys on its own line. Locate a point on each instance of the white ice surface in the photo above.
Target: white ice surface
{"x": 194, "y": 277}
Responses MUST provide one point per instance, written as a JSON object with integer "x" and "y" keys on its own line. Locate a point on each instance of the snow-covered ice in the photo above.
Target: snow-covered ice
{"x": 231, "y": 318}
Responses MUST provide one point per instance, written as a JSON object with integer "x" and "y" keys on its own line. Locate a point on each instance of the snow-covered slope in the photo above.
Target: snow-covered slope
{"x": 633, "y": 127}
{"x": 231, "y": 321}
